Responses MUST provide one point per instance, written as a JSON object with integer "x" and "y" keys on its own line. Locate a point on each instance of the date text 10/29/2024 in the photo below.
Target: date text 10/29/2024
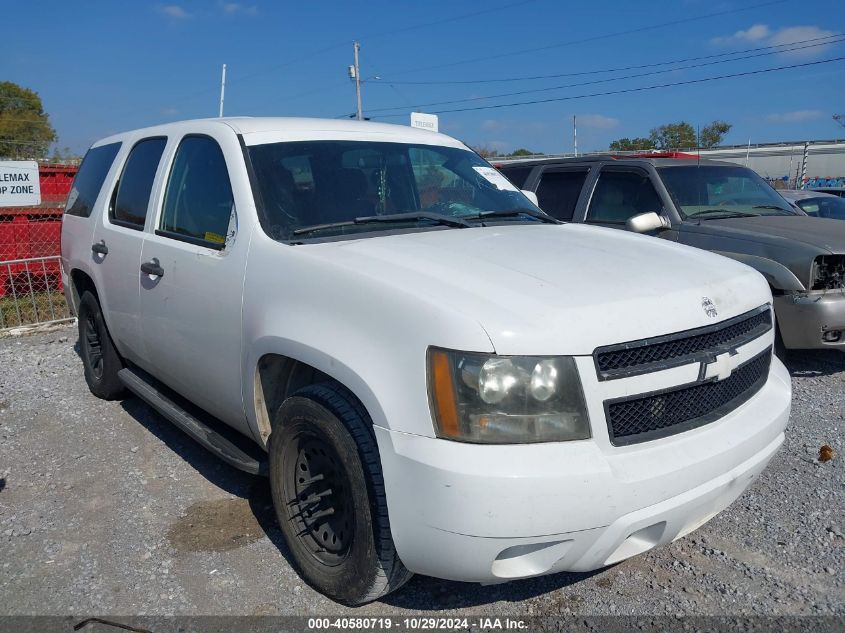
{"x": 417, "y": 624}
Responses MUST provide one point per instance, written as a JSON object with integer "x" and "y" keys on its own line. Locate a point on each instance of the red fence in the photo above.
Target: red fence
{"x": 30, "y": 246}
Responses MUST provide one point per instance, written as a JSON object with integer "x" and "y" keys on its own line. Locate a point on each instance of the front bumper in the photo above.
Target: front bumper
{"x": 493, "y": 513}
{"x": 803, "y": 319}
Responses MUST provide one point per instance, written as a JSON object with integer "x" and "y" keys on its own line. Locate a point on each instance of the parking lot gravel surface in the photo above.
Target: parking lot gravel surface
{"x": 106, "y": 508}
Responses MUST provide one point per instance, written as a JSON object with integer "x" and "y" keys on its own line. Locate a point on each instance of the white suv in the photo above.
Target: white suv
{"x": 437, "y": 377}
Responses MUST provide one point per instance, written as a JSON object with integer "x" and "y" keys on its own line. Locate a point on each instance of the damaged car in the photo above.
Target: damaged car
{"x": 718, "y": 206}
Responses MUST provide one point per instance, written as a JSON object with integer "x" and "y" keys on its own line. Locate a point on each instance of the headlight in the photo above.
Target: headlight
{"x": 491, "y": 399}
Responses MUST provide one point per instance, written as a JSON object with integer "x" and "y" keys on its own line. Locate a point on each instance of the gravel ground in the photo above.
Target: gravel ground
{"x": 106, "y": 508}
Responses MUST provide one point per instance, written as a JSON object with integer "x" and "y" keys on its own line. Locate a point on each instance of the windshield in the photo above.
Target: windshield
{"x": 717, "y": 191}
{"x": 826, "y": 207}
{"x": 318, "y": 189}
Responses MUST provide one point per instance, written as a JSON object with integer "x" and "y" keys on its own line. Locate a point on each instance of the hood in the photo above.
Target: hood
{"x": 823, "y": 235}
{"x": 554, "y": 289}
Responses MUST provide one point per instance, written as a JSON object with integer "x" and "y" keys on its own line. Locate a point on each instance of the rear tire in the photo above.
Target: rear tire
{"x": 328, "y": 492}
{"x": 99, "y": 355}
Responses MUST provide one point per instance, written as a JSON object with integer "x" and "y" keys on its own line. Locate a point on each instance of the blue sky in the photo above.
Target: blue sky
{"x": 103, "y": 67}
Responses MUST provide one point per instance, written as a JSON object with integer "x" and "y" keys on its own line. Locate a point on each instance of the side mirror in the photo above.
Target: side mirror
{"x": 531, "y": 196}
{"x": 645, "y": 222}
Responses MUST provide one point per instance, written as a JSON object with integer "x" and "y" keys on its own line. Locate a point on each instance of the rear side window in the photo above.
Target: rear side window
{"x": 132, "y": 194}
{"x": 198, "y": 203}
{"x": 558, "y": 192}
{"x": 517, "y": 175}
{"x": 620, "y": 195}
{"x": 89, "y": 179}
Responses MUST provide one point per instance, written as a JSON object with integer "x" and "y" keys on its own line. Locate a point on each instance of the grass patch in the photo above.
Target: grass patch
{"x": 26, "y": 309}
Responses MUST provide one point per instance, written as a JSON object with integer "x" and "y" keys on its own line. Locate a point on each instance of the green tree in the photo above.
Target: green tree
{"x": 25, "y": 130}
{"x": 673, "y": 136}
{"x": 631, "y": 144}
{"x": 712, "y": 134}
{"x": 484, "y": 151}
{"x": 65, "y": 155}
{"x": 524, "y": 152}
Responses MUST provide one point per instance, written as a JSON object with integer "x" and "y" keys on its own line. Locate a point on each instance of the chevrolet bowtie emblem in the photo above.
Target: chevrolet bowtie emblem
{"x": 719, "y": 368}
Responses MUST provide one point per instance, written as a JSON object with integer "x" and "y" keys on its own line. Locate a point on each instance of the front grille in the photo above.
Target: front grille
{"x": 648, "y": 355}
{"x": 650, "y": 416}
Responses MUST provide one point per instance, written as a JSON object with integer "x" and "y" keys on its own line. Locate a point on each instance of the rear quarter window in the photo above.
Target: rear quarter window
{"x": 89, "y": 179}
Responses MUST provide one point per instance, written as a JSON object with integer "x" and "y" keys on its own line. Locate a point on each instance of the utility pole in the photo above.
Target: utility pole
{"x": 575, "y": 133}
{"x": 355, "y": 74}
{"x": 222, "y": 89}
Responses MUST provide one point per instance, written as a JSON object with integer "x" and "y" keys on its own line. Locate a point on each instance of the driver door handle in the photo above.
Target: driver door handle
{"x": 153, "y": 268}
{"x": 100, "y": 248}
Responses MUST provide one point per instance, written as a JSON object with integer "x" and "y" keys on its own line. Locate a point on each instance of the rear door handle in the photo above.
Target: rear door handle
{"x": 100, "y": 248}
{"x": 153, "y": 268}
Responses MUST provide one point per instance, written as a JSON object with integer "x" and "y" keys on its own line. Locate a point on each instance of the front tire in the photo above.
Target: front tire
{"x": 100, "y": 358}
{"x": 328, "y": 492}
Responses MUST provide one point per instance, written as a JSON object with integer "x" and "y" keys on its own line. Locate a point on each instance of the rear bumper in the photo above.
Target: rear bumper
{"x": 494, "y": 513}
{"x": 803, "y": 319}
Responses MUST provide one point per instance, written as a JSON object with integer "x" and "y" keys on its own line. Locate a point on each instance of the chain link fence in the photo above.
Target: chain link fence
{"x": 30, "y": 247}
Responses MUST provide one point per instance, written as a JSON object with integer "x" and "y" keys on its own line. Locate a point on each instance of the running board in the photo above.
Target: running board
{"x": 146, "y": 388}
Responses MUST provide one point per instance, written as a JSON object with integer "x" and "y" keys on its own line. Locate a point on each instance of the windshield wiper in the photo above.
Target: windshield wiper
{"x": 511, "y": 213}
{"x": 722, "y": 213}
{"x": 773, "y": 207}
{"x": 437, "y": 218}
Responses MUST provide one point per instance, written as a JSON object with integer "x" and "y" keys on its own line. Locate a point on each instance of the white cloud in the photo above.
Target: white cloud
{"x": 793, "y": 117}
{"x": 235, "y": 8}
{"x": 761, "y": 35}
{"x": 597, "y": 121}
{"x": 754, "y": 33}
{"x": 794, "y": 34}
{"x": 173, "y": 11}
{"x": 489, "y": 125}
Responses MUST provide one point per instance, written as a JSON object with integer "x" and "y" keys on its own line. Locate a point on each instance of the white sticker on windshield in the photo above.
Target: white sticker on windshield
{"x": 495, "y": 178}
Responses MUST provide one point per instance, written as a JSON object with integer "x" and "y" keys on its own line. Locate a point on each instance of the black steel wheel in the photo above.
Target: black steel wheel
{"x": 317, "y": 497}
{"x": 100, "y": 358}
{"x": 328, "y": 492}
{"x": 92, "y": 349}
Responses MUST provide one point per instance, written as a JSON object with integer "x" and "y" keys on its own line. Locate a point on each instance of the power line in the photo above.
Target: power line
{"x": 609, "y": 70}
{"x": 385, "y": 34}
{"x": 626, "y": 90}
{"x": 600, "y": 81}
{"x": 371, "y": 36}
{"x": 594, "y": 38}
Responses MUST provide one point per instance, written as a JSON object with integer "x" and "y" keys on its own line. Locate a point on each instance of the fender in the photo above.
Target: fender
{"x": 778, "y": 275}
{"x": 316, "y": 358}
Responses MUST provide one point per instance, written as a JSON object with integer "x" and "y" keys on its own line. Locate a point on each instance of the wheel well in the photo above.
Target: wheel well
{"x": 80, "y": 282}
{"x": 276, "y": 378}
